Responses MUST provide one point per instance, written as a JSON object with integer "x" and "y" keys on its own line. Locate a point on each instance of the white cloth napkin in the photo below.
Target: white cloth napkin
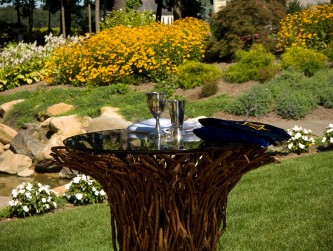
{"x": 146, "y": 126}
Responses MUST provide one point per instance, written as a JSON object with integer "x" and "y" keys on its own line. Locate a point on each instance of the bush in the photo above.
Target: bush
{"x": 328, "y": 52}
{"x": 130, "y": 18}
{"x": 256, "y": 102}
{"x": 310, "y": 28}
{"x": 295, "y": 104}
{"x": 240, "y": 24}
{"x": 192, "y": 74}
{"x": 83, "y": 190}
{"x": 29, "y": 199}
{"x": 328, "y": 135}
{"x": 208, "y": 89}
{"x": 306, "y": 60}
{"x": 301, "y": 140}
{"x": 23, "y": 63}
{"x": 150, "y": 52}
{"x": 255, "y": 64}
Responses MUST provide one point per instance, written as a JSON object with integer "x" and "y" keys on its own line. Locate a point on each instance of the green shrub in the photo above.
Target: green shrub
{"x": 84, "y": 190}
{"x": 328, "y": 52}
{"x": 255, "y": 64}
{"x": 295, "y": 104}
{"x": 242, "y": 23}
{"x": 256, "y": 102}
{"x": 208, "y": 89}
{"x": 130, "y": 18}
{"x": 29, "y": 199}
{"x": 306, "y": 60}
{"x": 192, "y": 74}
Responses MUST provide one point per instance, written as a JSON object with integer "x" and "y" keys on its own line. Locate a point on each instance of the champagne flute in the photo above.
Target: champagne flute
{"x": 156, "y": 102}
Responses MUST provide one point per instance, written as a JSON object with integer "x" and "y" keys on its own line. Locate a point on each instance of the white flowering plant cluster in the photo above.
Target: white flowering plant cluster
{"x": 328, "y": 135}
{"x": 83, "y": 190}
{"x": 22, "y": 63}
{"x": 301, "y": 140}
{"x": 29, "y": 199}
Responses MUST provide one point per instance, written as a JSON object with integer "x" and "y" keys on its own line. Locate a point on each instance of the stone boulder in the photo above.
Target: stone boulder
{"x": 4, "y": 108}
{"x": 58, "y": 109}
{"x": 16, "y": 164}
{"x": 28, "y": 141}
{"x": 6, "y": 134}
{"x": 108, "y": 120}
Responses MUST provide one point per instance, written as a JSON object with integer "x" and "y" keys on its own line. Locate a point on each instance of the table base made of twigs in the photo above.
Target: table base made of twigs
{"x": 164, "y": 201}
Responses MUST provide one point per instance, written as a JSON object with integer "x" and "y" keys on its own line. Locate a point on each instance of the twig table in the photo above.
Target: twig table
{"x": 161, "y": 197}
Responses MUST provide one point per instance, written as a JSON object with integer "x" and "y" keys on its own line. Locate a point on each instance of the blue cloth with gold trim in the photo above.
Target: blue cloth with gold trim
{"x": 240, "y": 131}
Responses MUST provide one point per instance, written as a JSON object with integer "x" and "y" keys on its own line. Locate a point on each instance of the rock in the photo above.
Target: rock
{"x": 6, "y": 134}
{"x": 66, "y": 125}
{"x": 4, "y": 108}
{"x": 2, "y": 149}
{"x": 58, "y": 109}
{"x": 6, "y": 147}
{"x": 28, "y": 141}
{"x": 47, "y": 166}
{"x": 16, "y": 164}
{"x": 108, "y": 120}
{"x": 67, "y": 173}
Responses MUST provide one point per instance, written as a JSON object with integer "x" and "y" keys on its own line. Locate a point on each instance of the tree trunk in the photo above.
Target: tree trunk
{"x": 97, "y": 18}
{"x": 31, "y": 19}
{"x": 89, "y": 17}
{"x": 63, "y": 26}
{"x": 17, "y": 7}
{"x": 177, "y": 9}
{"x": 159, "y": 11}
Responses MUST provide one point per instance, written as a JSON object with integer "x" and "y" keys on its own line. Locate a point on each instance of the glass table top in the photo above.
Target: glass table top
{"x": 120, "y": 140}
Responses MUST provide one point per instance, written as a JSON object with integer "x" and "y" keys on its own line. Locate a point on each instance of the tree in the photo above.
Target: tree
{"x": 52, "y": 7}
{"x": 97, "y": 17}
{"x": 17, "y": 4}
{"x": 242, "y": 22}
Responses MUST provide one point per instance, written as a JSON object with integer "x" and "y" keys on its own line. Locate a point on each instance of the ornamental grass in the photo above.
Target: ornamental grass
{"x": 150, "y": 52}
{"x": 310, "y": 28}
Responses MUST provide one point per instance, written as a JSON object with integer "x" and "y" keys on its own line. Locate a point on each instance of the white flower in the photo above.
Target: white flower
{"x": 14, "y": 193}
{"x": 323, "y": 140}
{"x": 25, "y": 209}
{"x": 29, "y": 187}
{"x": 43, "y": 200}
{"x": 54, "y": 204}
{"x": 298, "y": 135}
{"x": 79, "y": 196}
{"x": 28, "y": 195}
{"x": 301, "y": 146}
{"x": 68, "y": 185}
{"x": 76, "y": 180}
{"x": 331, "y": 140}
{"x": 102, "y": 193}
{"x": 290, "y": 145}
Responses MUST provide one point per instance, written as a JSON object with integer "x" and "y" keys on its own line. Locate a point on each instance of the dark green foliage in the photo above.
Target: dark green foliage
{"x": 306, "y": 60}
{"x": 295, "y": 105}
{"x": 208, "y": 89}
{"x": 291, "y": 94}
{"x": 294, "y": 6}
{"x": 255, "y": 64}
{"x": 242, "y": 23}
{"x": 192, "y": 74}
{"x": 256, "y": 102}
{"x": 328, "y": 52}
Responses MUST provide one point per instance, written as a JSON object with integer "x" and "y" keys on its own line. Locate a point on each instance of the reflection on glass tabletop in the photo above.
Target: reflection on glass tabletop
{"x": 120, "y": 140}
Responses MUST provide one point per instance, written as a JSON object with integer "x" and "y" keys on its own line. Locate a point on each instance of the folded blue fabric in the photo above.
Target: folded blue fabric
{"x": 240, "y": 131}
{"x": 216, "y": 134}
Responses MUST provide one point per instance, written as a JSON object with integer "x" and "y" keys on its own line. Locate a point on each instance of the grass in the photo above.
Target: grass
{"x": 87, "y": 102}
{"x": 285, "y": 206}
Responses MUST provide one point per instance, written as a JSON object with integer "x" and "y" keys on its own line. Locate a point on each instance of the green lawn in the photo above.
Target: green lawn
{"x": 285, "y": 206}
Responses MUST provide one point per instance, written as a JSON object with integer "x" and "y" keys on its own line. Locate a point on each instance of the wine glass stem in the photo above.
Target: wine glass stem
{"x": 158, "y": 128}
